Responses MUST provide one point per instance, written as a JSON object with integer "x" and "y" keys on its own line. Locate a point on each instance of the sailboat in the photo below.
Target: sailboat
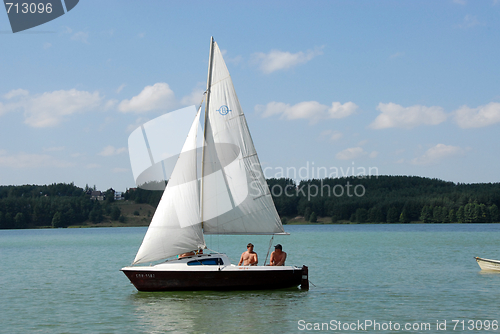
{"x": 231, "y": 197}
{"x": 488, "y": 264}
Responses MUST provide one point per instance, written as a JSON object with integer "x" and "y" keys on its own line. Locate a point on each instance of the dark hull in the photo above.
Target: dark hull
{"x": 217, "y": 280}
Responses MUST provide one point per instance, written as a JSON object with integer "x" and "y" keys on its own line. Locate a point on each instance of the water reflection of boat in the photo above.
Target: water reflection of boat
{"x": 487, "y": 264}
{"x": 200, "y": 311}
{"x": 232, "y": 198}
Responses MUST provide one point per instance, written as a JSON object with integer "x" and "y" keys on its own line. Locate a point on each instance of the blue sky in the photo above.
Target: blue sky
{"x": 401, "y": 87}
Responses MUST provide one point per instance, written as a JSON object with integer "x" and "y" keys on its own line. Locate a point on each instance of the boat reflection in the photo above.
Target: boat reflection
{"x": 212, "y": 312}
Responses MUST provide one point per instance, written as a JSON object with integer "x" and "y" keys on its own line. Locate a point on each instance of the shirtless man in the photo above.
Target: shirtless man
{"x": 278, "y": 257}
{"x": 249, "y": 258}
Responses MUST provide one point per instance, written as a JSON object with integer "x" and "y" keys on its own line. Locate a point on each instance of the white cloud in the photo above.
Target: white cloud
{"x": 77, "y": 36}
{"x": 351, "y": 153}
{"x": 107, "y": 121}
{"x": 49, "y": 109}
{"x": 119, "y": 89}
{"x": 397, "y": 55}
{"x": 47, "y": 45}
{"x": 330, "y": 135}
{"x": 478, "y": 117}
{"x": 138, "y": 122}
{"x": 158, "y": 96}
{"x": 110, "y": 104}
{"x": 339, "y": 110}
{"x": 234, "y": 60}
{"x": 307, "y": 110}
{"x": 396, "y": 116}
{"x": 373, "y": 154}
{"x": 469, "y": 22}
{"x": 195, "y": 96}
{"x": 109, "y": 32}
{"x": 460, "y": 2}
{"x": 16, "y": 93}
{"x": 438, "y": 153}
{"x": 363, "y": 142}
{"x": 81, "y": 37}
{"x": 26, "y": 160}
{"x": 336, "y": 136}
{"x": 54, "y": 149}
{"x": 90, "y": 166}
{"x": 279, "y": 60}
{"x": 111, "y": 150}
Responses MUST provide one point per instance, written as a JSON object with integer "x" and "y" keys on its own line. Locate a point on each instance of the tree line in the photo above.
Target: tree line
{"x": 56, "y": 205}
{"x": 375, "y": 199}
{"x": 381, "y": 199}
{"x": 387, "y": 199}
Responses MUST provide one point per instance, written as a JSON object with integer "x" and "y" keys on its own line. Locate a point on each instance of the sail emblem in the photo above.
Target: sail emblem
{"x": 223, "y": 110}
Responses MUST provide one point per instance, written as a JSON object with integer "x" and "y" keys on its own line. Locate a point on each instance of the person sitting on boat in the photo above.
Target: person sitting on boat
{"x": 278, "y": 257}
{"x": 186, "y": 254}
{"x": 249, "y": 258}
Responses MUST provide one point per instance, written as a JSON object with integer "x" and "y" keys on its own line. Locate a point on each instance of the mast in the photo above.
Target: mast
{"x": 209, "y": 82}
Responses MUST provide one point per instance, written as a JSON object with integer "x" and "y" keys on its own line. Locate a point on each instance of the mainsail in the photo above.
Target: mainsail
{"x": 175, "y": 227}
{"x": 235, "y": 195}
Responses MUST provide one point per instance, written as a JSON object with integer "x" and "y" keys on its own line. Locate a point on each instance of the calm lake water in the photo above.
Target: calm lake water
{"x": 68, "y": 281}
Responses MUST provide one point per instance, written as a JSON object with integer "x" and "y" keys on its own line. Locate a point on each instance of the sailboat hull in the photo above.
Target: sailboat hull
{"x": 487, "y": 264}
{"x": 176, "y": 275}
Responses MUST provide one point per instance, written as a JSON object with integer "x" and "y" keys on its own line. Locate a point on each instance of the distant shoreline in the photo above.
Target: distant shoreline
{"x": 146, "y": 224}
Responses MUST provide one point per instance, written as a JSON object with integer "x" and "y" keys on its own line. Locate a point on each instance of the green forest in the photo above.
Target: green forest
{"x": 387, "y": 199}
{"x": 55, "y": 205}
{"x": 382, "y": 199}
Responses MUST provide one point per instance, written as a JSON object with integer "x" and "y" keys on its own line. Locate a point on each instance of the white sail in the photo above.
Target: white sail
{"x": 235, "y": 198}
{"x": 175, "y": 227}
{"x": 154, "y": 147}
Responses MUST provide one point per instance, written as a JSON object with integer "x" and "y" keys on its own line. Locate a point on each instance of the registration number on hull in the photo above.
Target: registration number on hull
{"x": 145, "y": 275}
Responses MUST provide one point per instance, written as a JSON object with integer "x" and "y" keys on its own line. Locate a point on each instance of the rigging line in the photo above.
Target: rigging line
{"x": 200, "y": 262}
{"x": 261, "y": 196}
{"x": 248, "y": 156}
{"x": 213, "y": 250}
{"x": 270, "y": 243}
{"x": 203, "y": 98}
{"x": 240, "y": 115}
{"x": 230, "y": 259}
{"x": 214, "y": 83}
